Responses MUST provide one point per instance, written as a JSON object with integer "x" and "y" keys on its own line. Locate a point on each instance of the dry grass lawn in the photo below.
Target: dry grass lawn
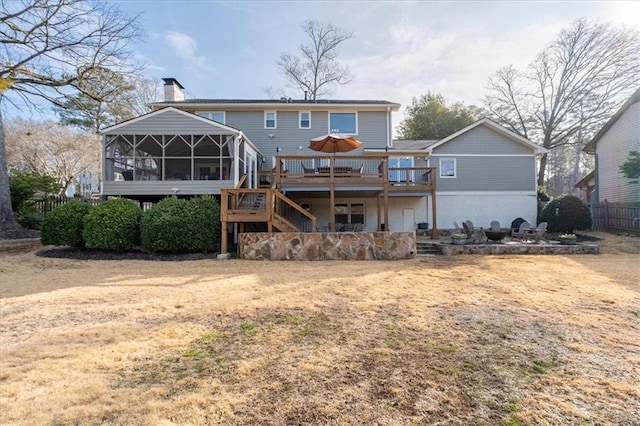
{"x": 513, "y": 340}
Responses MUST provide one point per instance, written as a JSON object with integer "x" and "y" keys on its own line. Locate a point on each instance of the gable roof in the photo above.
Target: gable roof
{"x": 591, "y": 146}
{"x": 496, "y": 127}
{"x": 584, "y": 182}
{"x": 164, "y": 110}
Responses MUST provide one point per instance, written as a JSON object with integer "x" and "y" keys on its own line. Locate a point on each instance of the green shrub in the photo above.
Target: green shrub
{"x": 63, "y": 225}
{"x": 113, "y": 225}
{"x": 572, "y": 214}
{"x": 23, "y": 188}
{"x": 181, "y": 226}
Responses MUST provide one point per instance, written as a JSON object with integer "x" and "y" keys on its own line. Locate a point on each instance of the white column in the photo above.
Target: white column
{"x": 236, "y": 160}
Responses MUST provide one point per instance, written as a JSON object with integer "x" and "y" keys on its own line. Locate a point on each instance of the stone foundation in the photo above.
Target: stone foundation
{"x": 515, "y": 248}
{"x": 327, "y": 246}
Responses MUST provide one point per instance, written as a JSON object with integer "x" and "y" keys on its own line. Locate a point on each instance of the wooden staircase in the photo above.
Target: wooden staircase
{"x": 267, "y": 205}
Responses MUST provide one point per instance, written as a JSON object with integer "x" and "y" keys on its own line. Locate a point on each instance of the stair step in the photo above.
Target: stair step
{"x": 427, "y": 249}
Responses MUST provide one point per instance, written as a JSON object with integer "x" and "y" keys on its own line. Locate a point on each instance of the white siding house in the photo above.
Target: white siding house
{"x": 611, "y": 146}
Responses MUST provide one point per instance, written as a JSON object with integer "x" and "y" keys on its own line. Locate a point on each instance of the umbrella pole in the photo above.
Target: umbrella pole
{"x": 332, "y": 195}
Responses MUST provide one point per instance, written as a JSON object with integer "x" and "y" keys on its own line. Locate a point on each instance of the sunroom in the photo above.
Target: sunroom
{"x": 171, "y": 151}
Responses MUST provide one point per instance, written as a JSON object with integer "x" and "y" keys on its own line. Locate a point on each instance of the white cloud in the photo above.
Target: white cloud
{"x": 185, "y": 47}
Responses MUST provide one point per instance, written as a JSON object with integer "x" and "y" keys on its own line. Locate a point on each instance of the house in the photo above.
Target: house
{"x": 485, "y": 172}
{"x": 611, "y": 147}
{"x": 254, "y": 155}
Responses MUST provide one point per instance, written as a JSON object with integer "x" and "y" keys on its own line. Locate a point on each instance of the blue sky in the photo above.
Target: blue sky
{"x": 401, "y": 49}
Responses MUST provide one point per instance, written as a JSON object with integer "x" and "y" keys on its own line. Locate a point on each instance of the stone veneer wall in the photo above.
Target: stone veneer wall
{"x": 494, "y": 248}
{"x": 327, "y": 246}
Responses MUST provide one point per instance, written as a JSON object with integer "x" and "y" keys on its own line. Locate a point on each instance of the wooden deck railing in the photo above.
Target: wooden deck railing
{"x": 349, "y": 171}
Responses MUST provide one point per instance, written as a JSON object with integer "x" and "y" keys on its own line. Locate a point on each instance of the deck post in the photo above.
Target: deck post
{"x": 434, "y": 229}
{"x": 378, "y": 211}
{"x": 332, "y": 196}
{"x": 386, "y": 194}
{"x": 224, "y": 237}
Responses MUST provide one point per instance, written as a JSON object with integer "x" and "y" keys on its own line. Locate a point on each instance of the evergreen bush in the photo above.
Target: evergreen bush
{"x": 572, "y": 214}
{"x": 63, "y": 225}
{"x": 181, "y": 226}
{"x": 23, "y": 187}
{"x": 113, "y": 225}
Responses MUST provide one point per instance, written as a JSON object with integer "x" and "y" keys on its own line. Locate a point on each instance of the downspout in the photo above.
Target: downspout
{"x": 389, "y": 127}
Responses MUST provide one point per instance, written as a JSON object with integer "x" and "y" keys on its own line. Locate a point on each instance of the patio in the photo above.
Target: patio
{"x": 445, "y": 246}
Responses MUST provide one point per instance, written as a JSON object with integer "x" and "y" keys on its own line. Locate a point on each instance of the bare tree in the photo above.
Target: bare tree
{"x": 51, "y": 149}
{"x": 48, "y": 46}
{"x": 146, "y": 91}
{"x": 318, "y": 67}
{"x": 572, "y": 88}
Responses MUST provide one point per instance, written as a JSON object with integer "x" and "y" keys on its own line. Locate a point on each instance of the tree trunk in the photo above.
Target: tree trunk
{"x": 543, "y": 167}
{"x": 7, "y": 220}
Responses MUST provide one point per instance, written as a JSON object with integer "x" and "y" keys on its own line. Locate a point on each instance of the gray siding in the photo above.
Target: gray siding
{"x": 194, "y": 187}
{"x": 482, "y": 140}
{"x": 167, "y": 122}
{"x": 489, "y": 174}
{"x": 372, "y": 130}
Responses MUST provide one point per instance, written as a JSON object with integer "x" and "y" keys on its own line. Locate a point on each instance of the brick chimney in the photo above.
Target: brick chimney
{"x": 172, "y": 90}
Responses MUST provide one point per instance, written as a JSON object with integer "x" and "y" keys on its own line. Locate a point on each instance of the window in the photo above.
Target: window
{"x": 305, "y": 120}
{"x": 343, "y": 122}
{"x": 217, "y": 116}
{"x": 270, "y": 118}
{"x": 447, "y": 167}
{"x": 349, "y": 213}
{"x": 400, "y": 175}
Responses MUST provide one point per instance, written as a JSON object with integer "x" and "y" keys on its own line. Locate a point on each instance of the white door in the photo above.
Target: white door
{"x": 408, "y": 220}
{"x": 252, "y": 176}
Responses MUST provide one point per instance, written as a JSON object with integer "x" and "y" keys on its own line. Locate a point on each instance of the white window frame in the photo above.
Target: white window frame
{"x": 440, "y": 168}
{"x": 275, "y": 119}
{"x": 341, "y": 112}
{"x": 300, "y": 120}
{"x": 209, "y": 115}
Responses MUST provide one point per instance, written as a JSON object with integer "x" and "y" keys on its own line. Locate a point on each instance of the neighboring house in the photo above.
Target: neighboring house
{"x": 254, "y": 155}
{"x": 587, "y": 187}
{"x": 485, "y": 173}
{"x": 611, "y": 146}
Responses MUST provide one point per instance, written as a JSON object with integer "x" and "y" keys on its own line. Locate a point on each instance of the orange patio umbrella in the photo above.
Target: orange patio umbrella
{"x": 333, "y": 143}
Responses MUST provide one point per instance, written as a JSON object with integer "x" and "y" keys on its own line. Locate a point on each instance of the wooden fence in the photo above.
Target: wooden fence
{"x": 45, "y": 205}
{"x": 616, "y": 217}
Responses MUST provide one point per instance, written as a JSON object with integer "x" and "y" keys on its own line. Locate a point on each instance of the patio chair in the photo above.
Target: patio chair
{"x": 495, "y": 226}
{"x": 358, "y": 171}
{"x": 307, "y": 170}
{"x": 522, "y": 231}
{"x": 538, "y": 233}
{"x": 456, "y": 228}
{"x": 471, "y": 236}
{"x": 127, "y": 174}
{"x": 476, "y": 233}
